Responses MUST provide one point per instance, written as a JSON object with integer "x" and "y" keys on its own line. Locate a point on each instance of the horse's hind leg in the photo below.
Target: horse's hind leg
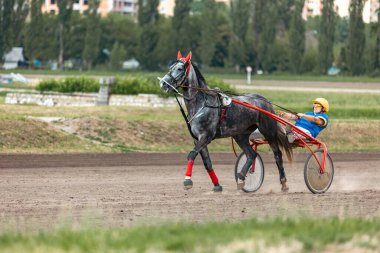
{"x": 278, "y": 156}
{"x": 208, "y": 166}
{"x": 243, "y": 142}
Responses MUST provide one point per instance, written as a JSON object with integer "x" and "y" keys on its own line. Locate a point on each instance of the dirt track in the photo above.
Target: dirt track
{"x": 44, "y": 191}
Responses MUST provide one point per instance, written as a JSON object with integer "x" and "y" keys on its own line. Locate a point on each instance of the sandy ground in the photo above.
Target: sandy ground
{"x": 46, "y": 191}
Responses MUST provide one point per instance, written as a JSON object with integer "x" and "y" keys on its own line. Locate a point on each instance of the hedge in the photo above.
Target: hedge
{"x": 131, "y": 85}
{"x": 69, "y": 85}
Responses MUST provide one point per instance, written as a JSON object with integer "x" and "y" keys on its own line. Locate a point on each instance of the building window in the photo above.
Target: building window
{"x": 52, "y": 1}
{"x": 85, "y": 2}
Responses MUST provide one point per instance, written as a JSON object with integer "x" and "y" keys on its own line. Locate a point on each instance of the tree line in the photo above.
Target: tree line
{"x": 269, "y": 35}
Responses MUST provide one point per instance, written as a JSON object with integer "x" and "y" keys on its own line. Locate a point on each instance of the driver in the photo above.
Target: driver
{"x": 312, "y": 123}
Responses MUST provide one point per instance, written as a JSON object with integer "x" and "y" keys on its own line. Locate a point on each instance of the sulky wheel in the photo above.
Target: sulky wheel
{"x": 314, "y": 179}
{"x": 253, "y": 180}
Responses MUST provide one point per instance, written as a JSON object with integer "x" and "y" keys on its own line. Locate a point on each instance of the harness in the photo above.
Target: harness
{"x": 222, "y": 112}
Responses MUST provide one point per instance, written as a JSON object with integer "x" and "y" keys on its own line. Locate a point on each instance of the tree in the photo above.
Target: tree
{"x": 149, "y": 35}
{"x": 19, "y": 15}
{"x": 65, "y": 8}
{"x": 92, "y": 39}
{"x": 326, "y": 36}
{"x": 49, "y": 39}
{"x": 165, "y": 51}
{"x": 375, "y": 54}
{"x": 356, "y": 38}
{"x": 6, "y": 11}
{"x": 265, "y": 28}
{"x": 75, "y": 38}
{"x": 285, "y": 10}
{"x": 117, "y": 56}
{"x": 297, "y": 37}
{"x": 240, "y": 15}
{"x": 121, "y": 29}
{"x": 181, "y": 25}
{"x": 208, "y": 31}
{"x": 342, "y": 29}
{"x": 34, "y": 31}
{"x": 147, "y": 12}
{"x": 220, "y": 58}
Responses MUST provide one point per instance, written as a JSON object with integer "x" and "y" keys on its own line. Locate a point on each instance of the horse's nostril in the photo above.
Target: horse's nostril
{"x": 163, "y": 86}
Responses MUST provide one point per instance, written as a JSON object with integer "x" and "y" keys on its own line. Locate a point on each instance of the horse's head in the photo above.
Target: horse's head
{"x": 178, "y": 73}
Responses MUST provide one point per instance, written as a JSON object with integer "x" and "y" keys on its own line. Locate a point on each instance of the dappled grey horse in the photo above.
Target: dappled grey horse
{"x": 209, "y": 119}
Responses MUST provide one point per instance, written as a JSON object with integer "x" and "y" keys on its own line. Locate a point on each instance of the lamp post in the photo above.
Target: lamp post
{"x": 249, "y": 71}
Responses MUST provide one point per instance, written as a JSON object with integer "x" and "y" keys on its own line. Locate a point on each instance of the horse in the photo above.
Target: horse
{"x": 208, "y": 119}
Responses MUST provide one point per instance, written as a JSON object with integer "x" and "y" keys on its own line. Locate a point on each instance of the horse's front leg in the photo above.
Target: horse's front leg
{"x": 199, "y": 145}
{"x": 208, "y": 166}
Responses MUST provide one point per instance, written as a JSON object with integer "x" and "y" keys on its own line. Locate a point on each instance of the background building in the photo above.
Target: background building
{"x": 313, "y": 8}
{"x": 126, "y": 7}
{"x": 370, "y": 11}
{"x": 166, "y": 7}
{"x": 50, "y": 6}
{"x": 105, "y": 6}
{"x": 342, "y": 7}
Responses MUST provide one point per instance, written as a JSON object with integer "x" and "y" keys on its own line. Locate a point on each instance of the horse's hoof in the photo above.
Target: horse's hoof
{"x": 188, "y": 184}
{"x": 217, "y": 188}
{"x": 284, "y": 188}
{"x": 240, "y": 184}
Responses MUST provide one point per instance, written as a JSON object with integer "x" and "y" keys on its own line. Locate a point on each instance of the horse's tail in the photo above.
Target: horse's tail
{"x": 283, "y": 142}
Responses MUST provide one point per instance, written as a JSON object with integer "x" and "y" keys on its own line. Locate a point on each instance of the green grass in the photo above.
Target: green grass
{"x": 298, "y": 234}
{"x": 17, "y": 86}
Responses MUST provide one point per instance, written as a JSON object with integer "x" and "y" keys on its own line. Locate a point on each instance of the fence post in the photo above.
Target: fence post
{"x": 104, "y": 92}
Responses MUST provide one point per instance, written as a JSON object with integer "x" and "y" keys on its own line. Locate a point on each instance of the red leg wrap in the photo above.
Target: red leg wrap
{"x": 189, "y": 169}
{"x": 213, "y": 177}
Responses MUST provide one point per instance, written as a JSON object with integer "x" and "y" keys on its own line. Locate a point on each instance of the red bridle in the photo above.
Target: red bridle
{"x": 185, "y": 60}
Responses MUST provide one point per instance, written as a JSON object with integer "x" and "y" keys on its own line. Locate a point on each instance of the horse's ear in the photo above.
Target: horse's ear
{"x": 179, "y": 55}
{"x": 188, "y": 57}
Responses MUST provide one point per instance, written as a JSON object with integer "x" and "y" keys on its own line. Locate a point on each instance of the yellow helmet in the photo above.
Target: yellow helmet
{"x": 323, "y": 102}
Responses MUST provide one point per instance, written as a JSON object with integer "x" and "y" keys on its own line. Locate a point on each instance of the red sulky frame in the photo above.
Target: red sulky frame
{"x": 296, "y": 131}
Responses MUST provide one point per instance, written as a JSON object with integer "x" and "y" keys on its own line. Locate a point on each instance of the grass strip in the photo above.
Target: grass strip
{"x": 308, "y": 233}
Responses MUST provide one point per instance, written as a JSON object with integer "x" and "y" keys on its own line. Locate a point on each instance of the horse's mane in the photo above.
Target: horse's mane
{"x": 200, "y": 80}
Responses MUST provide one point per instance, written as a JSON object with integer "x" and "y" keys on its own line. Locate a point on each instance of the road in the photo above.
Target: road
{"x": 312, "y": 86}
{"x": 113, "y": 190}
